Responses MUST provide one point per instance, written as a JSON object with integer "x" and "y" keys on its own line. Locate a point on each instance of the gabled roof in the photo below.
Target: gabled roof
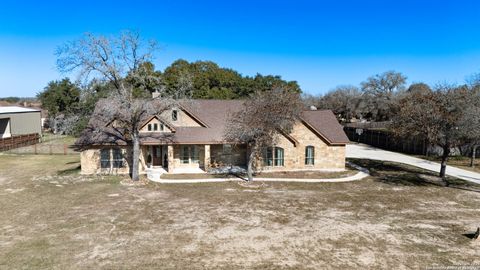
{"x": 325, "y": 124}
{"x": 159, "y": 119}
{"x": 213, "y": 115}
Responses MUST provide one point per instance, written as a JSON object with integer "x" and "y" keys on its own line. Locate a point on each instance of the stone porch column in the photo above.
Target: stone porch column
{"x": 171, "y": 164}
{"x": 206, "y": 160}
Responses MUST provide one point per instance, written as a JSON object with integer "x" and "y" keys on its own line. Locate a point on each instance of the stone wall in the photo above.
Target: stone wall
{"x": 155, "y": 121}
{"x": 326, "y": 156}
{"x": 237, "y": 156}
{"x": 90, "y": 162}
{"x": 183, "y": 119}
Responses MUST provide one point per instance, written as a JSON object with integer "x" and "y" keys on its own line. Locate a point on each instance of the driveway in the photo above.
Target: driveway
{"x": 368, "y": 152}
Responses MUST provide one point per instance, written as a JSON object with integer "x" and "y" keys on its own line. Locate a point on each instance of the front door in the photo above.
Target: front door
{"x": 157, "y": 156}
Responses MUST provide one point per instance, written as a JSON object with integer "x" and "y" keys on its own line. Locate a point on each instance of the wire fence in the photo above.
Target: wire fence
{"x": 44, "y": 149}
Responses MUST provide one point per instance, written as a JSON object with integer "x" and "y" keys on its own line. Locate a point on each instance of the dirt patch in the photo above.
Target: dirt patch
{"x": 396, "y": 219}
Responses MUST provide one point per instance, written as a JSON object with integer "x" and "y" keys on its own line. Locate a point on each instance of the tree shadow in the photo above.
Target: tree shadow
{"x": 400, "y": 174}
{"x": 69, "y": 171}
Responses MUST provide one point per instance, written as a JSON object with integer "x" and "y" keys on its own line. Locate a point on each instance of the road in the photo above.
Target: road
{"x": 368, "y": 152}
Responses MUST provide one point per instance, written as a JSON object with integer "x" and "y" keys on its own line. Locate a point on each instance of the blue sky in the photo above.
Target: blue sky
{"x": 320, "y": 44}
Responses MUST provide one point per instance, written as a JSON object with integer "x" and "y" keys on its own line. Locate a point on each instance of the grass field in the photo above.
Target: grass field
{"x": 400, "y": 218}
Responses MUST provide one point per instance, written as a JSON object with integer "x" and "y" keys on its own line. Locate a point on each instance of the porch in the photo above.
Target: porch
{"x": 191, "y": 158}
{"x": 176, "y": 158}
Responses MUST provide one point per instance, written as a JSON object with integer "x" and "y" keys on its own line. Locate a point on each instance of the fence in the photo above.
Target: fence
{"x": 18, "y": 141}
{"x": 44, "y": 149}
{"x": 369, "y": 125}
{"x": 385, "y": 140}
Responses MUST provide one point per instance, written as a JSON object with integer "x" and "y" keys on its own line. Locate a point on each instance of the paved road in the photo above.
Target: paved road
{"x": 368, "y": 152}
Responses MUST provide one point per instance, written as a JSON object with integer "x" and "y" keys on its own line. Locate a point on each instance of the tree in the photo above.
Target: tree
{"x": 60, "y": 97}
{"x": 470, "y": 122}
{"x": 112, "y": 60}
{"x": 265, "y": 115}
{"x": 210, "y": 81}
{"x": 380, "y": 91}
{"x": 434, "y": 115}
{"x": 345, "y": 102}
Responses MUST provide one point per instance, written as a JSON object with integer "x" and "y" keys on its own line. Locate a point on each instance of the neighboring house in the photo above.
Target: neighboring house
{"x": 15, "y": 121}
{"x": 189, "y": 139}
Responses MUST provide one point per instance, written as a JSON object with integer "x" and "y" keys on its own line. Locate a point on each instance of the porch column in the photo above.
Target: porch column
{"x": 171, "y": 164}
{"x": 206, "y": 161}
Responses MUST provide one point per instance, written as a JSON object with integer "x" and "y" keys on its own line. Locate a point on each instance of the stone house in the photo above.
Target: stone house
{"x": 189, "y": 139}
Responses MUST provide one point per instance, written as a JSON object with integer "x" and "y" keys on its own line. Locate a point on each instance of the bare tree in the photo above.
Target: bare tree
{"x": 434, "y": 115}
{"x": 470, "y": 122}
{"x": 265, "y": 115}
{"x": 345, "y": 101}
{"x": 380, "y": 92}
{"x": 112, "y": 59}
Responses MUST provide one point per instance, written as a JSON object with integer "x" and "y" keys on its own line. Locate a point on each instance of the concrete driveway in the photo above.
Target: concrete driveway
{"x": 368, "y": 152}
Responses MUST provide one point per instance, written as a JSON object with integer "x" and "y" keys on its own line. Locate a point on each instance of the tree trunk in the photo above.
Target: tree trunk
{"x": 443, "y": 167}
{"x": 472, "y": 159}
{"x": 251, "y": 159}
{"x": 135, "y": 156}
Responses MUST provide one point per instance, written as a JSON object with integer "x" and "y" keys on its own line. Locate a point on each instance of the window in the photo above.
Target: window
{"x": 162, "y": 127}
{"x": 155, "y": 126}
{"x": 274, "y": 156}
{"x": 189, "y": 154}
{"x": 111, "y": 158}
{"x": 105, "y": 158}
{"x": 278, "y": 158}
{"x": 227, "y": 149}
{"x": 309, "y": 155}
{"x": 174, "y": 115}
{"x": 117, "y": 158}
{"x": 149, "y": 127}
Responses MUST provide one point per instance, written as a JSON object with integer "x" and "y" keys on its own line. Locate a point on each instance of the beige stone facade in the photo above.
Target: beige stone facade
{"x": 182, "y": 158}
{"x": 326, "y": 157}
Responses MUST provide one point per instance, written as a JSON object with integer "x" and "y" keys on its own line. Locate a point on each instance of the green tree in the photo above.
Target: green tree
{"x": 60, "y": 97}
{"x": 207, "y": 80}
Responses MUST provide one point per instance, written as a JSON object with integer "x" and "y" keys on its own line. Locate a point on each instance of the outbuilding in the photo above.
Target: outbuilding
{"x": 16, "y": 121}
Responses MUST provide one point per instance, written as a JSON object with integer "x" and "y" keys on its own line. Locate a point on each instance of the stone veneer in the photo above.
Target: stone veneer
{"x": 326, "y": 156}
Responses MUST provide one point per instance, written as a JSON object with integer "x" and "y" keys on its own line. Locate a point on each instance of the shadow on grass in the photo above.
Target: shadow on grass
{"x": 69, "y": 171}
{"x": 401, "y": 174}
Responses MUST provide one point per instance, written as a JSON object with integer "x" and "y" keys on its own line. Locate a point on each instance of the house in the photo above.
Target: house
{"x": 16, "y": 121}
{"x": 189, "y": 139}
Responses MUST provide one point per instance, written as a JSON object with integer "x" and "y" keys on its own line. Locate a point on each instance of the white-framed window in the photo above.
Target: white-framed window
{"x": 149, "y": 127}
{"x": 162, "y": 127}
{"x": 174, "y": 115}
{"x": 189, "y": 154}
{"x": 155, "y": 126}
{"x": 111, "y": 158}
{"x": 309, "y": 155}
{"x": 274, "y": 156}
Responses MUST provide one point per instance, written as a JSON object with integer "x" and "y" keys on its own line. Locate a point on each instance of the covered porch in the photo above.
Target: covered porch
{"x": 185, "y": 158}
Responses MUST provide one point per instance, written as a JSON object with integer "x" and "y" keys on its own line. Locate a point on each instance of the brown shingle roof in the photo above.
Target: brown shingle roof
{"x": 326, "y": 124}
{"x": 214, "y": 114}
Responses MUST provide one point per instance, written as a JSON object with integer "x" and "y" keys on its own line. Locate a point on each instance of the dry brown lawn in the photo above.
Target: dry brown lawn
{"x": 400, "y": 218}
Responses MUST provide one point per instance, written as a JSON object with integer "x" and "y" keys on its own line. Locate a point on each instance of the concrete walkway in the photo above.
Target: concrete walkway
{"x": 358, "y": 176}
{"x": 368, "y": 152}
